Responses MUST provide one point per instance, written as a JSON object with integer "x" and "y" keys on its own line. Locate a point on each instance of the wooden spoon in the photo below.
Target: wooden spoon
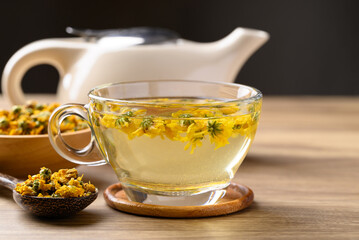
{"x": 46, "y": 207}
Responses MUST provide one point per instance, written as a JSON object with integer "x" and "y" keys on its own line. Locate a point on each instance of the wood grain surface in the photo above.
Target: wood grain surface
{"x": 303, "y": 168}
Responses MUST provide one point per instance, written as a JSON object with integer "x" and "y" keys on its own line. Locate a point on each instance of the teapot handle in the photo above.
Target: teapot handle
{"x": 59, "y": 53}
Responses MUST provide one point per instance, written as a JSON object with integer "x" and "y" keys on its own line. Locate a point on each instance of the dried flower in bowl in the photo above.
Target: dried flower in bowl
{"x": 32, "y": 119}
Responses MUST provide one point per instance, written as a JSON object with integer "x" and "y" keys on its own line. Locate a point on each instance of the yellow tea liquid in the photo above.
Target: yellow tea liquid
{"x": 179, "y": 151}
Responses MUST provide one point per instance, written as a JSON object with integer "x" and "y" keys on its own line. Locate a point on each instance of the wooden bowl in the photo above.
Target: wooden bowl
{"x": 21, "y": 155}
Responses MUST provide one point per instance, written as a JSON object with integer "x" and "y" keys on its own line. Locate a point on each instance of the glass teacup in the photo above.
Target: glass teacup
{"x": 170, "y": 142}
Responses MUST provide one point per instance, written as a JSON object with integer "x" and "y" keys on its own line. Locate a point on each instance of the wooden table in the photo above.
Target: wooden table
{"x": 303, "y": 168}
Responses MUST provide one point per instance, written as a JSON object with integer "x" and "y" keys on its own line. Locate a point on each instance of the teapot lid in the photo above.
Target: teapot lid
{"x": 141, "y": 35}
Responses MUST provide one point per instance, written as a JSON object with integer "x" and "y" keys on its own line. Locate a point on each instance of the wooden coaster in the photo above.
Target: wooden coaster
{"x": 237, "y": 198}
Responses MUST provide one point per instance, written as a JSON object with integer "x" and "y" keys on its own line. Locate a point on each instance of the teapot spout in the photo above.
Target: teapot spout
{"x": 235, "y": 49}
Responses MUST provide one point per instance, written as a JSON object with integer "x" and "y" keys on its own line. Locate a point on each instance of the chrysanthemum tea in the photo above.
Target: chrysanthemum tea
{"x": 176, "y": 148}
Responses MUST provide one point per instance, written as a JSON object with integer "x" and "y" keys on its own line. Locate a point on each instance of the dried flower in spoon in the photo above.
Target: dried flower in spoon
{"x": 63, "y": 183}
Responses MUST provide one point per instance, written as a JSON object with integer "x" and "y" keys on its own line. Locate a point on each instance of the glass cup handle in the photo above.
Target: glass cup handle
{"x": 65, "y": 150}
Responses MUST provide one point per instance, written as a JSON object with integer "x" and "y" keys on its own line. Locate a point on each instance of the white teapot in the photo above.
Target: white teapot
{"x": 100, "y": 57}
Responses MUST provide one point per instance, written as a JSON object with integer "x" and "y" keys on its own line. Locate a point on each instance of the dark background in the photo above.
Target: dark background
{"x": 313, "y": 47}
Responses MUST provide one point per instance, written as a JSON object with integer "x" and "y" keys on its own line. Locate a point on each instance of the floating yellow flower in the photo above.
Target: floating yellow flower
{"x": 182, "y": 122}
